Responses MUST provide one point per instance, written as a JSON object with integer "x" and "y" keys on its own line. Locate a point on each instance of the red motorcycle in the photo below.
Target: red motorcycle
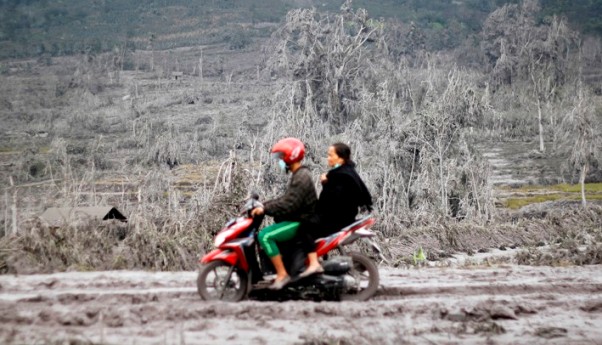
{"x": 238, "y": 267}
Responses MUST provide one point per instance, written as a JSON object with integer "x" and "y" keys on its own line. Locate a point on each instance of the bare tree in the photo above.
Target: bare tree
{"x": 547, "y": 65}
{"x": 441, "y": 123}
{"x": 326, "y": 58}
{"x": 584, "y": 137}
{"x": 407, "y": 120}
{"x": 526, "y": 55}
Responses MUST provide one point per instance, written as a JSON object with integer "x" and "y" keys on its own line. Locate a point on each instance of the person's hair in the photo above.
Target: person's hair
{"x": 343, "y": 151}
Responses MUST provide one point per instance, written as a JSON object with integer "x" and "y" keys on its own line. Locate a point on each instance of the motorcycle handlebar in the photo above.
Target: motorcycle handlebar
{"x": 252, "y": 203}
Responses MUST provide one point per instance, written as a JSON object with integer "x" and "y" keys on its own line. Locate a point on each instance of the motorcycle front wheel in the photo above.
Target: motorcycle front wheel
{"x": 364, "y": 277}
{"x": 219, "y": 281}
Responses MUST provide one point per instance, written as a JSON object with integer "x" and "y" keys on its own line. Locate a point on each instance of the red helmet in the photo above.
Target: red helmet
{"x": 291, "y": 150}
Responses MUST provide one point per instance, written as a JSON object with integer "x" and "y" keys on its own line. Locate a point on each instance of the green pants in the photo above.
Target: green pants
{"x": 278, "y": 232}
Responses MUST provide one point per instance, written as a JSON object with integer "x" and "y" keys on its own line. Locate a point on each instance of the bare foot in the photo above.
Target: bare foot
{"x": 312, "y": 269}
{"x": 279, "y": 283}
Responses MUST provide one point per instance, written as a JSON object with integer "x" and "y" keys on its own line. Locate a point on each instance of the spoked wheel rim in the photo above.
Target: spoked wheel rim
{"x": 219, "y": 286}
{"x": 220, "y": 281}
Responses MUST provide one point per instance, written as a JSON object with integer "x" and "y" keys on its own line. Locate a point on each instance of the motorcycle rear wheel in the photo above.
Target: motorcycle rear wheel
{"x": 212, "y": 285}
{"x": 365, "y": 273}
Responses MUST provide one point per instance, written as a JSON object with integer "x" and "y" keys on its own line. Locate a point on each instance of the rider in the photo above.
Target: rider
{"x": 296, "y": 205}
{"x": 343, "y": 192}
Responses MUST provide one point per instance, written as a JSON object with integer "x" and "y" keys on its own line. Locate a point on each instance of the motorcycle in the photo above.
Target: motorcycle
{"x": 238, "y": 267}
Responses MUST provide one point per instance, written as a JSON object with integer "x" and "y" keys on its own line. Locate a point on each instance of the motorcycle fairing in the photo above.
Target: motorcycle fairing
{"x": 228, "y": 256}
{"x": 232, "y": 230}
{"x": 237, "y": 246}
{"x": 325, "y": 244}
{"x": 347, "y": 235}
{"x": 231, "y": 252}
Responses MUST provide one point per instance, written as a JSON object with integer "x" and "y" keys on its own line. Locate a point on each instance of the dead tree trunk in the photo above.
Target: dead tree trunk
{"x": 5, "y": 211}
{"x": 539, "y": 120}
{"x": 584, "y": 169}
{"x": 13, "y": 207}
{"x": 14, "y": 212}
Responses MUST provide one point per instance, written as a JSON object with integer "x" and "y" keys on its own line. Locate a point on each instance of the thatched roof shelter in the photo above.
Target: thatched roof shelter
{"x": 55, "y": 216}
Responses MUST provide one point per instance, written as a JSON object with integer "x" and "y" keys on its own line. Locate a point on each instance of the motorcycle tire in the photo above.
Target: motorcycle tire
{"x": 362, "y": 265}
{"x": 234, "y": 290}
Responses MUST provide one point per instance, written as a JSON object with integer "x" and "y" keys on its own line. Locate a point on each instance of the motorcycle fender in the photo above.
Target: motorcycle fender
{"x": 375, "y": 247}
{"x": 219, "y": 254}
{"x": 378, "y": 251}
{"x": 354, "y": 236}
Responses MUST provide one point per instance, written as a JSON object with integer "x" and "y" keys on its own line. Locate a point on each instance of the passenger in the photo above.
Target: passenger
{"x": 295, "y": 206}
{"x": 343, "y": 193}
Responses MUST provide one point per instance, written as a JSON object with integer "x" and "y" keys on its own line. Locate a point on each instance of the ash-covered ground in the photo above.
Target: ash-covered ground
{"x": 478, "y": 304}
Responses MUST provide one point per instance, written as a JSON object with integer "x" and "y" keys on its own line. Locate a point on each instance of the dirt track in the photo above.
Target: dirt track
{"x": 495, "y": 305}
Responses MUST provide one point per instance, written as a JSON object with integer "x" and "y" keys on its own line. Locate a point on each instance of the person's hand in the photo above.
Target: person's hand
{"x": 323, "y": 178}
{"x": 257, "y": 211}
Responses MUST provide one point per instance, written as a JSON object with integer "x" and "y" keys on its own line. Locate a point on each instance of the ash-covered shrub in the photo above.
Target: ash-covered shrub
{"x": 164, "y": 231}
{"x": 562, "y": 237}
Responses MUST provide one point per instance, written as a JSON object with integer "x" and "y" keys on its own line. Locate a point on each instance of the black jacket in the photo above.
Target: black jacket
{"x": 298, "y": 203}
{"x": 342, "y": 195}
